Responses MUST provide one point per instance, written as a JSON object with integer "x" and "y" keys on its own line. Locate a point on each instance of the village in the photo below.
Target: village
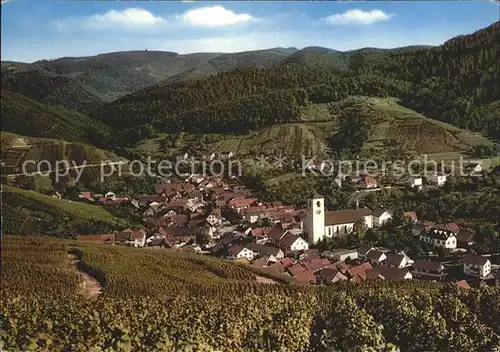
{"x": 219, "y": 217}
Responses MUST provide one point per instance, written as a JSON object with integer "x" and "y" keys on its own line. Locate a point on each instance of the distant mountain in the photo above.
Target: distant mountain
{"x": 83, "y": 83}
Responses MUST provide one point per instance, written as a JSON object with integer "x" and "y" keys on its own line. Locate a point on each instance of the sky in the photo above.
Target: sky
{"x": 41, "y": 29}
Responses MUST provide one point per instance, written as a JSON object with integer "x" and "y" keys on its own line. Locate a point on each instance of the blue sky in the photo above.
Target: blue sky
{"x": 46, "y": 30}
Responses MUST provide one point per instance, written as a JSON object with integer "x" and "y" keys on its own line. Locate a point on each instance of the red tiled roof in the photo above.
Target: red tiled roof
{"x": 340, "y": 266}
{"x": 394, "y": 259}
{"x": 180, "y": 220}
{"x": 450, "y": 226}
{"x": 295, "y": 268}
{"x": 475, "y": 259}
{"x": 388, "y": 272}
{"x": 348, "y": 216}
{"x": 86, "y": 195}
{"x": 374, "y": 254}
{"x": 236, "y": 249}
{"x": 286, "y": 262}
{"x": 276, "y": 233}
{"x": 424, "y": 264}
{"x": 288, "y": 240}
{"x": 465, "y": 236}
{"x": 168, "y": 187}
{"x": 245, "y": 202}
{"x": 462, "y": 284}
{"x": 109, "y": 237}
{"x": 255, "y": 210}
{"x": 179, "y": 203}
{"x": 136, "y": 235}
{"x": 360, "y": 271}
{"x": 276, "y": 267}
{"x": 260, "y": 231}
{"x": 153, "y": 198}
{"x": 305, "y": 276}
{"x": 316, "y": 264}
{"x": 263, "y": 249}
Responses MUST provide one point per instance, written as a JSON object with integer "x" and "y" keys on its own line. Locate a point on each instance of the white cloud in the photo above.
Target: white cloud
{"x": 128, "y": 18}
{"x": 357, "y": 16}
{"x": 213, "y": 16}
{"x": 141, "y": 19}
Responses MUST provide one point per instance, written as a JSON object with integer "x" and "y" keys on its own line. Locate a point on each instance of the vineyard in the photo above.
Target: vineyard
{"x": 173, "y": 301}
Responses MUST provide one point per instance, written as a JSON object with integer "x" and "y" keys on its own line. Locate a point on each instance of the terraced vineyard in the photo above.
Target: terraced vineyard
{"x": 394, "y": 130}
{"x": 53, "y": 216}
{"x": 169, "y": 301}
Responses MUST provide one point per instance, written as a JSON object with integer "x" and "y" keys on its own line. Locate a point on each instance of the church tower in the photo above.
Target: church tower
{"x": 315, "y": 220}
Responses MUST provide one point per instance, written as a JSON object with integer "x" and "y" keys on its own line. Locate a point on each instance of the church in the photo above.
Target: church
{"x": 319, "y": 224}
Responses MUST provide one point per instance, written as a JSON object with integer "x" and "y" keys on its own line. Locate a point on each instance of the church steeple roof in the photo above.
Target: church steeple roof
{"x": 317, "y": 196}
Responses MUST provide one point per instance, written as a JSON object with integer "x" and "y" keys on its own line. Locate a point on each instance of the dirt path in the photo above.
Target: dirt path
{"x": 264, "y": 280}
{"x": 91, "y": 287}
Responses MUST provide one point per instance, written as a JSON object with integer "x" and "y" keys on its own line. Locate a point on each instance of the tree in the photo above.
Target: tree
{"x": 203, "y": 238}
{"x": 360, "y": 227}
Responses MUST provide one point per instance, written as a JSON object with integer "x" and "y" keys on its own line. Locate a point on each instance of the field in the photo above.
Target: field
{"x": 395, "y": 130}
{"x": 170, "y": 301}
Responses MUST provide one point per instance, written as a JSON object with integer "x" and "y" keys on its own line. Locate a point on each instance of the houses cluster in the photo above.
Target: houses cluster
{"x": 356, "y": 266}
{"x": 219, "y": 217}
{"x": 445, "y": 235}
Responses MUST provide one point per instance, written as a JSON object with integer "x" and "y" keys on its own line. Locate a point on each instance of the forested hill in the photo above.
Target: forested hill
{"x": 451, "y": 83}
{"x": 82, "y": 83}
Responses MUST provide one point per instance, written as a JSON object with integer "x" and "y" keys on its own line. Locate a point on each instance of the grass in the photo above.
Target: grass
{"x": 490, "y": 163}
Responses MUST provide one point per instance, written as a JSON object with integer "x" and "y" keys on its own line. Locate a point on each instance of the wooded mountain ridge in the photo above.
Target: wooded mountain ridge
{"x": 243, "y": 92}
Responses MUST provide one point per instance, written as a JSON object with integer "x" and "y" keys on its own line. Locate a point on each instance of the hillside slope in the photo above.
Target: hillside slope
{"x": 58, "y": 217}
{"x": 171, "y": 292}
{"x": 30, "y": 118}
{"x": 51, "y": 151}
{"x": 395, "y": 131}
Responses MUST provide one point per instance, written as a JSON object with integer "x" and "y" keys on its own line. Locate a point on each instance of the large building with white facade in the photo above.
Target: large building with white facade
{"x": 319, "y": 224}
{"x": 439, "y": 238}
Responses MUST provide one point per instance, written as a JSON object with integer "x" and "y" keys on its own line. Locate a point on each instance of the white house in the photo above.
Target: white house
{"x": 476, "y": 265}
{"x": 137, "y": 239}
{"x": 438, "y": 179}
{"x": 213, "y": 219}
{"x": 292, "y": 243}
{"x": 263, "y": 250}
{"x": 381, "y": 216}
{"x": 343, "y": 254}
{"x": 439, "y": 238}
{"x": 428, "y": 269}
{"x": 319, "y": 224}
{"x": 225, "y": 155}
{"x": 400, "y": 260}
{"x": 474, "y": 166}
{"x": 111, "y": 195}
{"x": 376, "y": 256}
{"x": 238, "y": 252}
{"x": 415, "y": 182}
